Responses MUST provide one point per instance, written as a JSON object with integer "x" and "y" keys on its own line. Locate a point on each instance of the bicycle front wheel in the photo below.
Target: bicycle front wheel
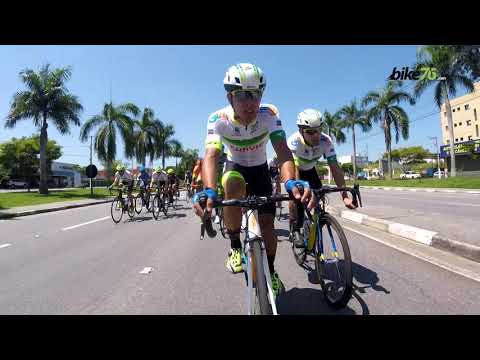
{"x": 116, "y": 210}
{"x": 131, "y": 207}
{"x": 262, "y": 302}
{"x": 333, "y": 262}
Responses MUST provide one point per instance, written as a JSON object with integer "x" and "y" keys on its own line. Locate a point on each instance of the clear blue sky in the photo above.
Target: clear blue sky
{"x": 183, "y": 84}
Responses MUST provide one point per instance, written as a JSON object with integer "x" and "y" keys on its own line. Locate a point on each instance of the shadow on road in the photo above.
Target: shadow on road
{"x": 366, "y": 276}
{"x": 297, "y": 301}
{"x": 175, "y": 216}
{"x": 142, "y": 218}
{"x": 308, "y": 299}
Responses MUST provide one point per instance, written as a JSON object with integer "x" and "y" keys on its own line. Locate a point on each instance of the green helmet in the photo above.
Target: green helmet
{"x": 170, "y": 171}
{"x": 158, "y": 169}
{"x": 120, "y": 167}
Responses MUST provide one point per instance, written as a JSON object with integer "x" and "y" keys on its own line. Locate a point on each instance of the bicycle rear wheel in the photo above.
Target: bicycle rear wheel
{"x": 334, "y": 271}
{"x": 116, "y": 210}
{"x": 262, "y": 302}
{"x": 138, "y": 203}
{"x": 131, "y": 208}
{"x": 156, "y": 206}
{"x": 164, "y": 202}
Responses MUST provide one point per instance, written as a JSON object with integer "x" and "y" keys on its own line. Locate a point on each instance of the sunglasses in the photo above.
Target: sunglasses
{"x": 242, "y": 95}
{"x": 312, "y": 131}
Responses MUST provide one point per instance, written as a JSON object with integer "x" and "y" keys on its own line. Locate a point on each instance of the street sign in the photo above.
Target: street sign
{"x": 91, "y": 171}
{"x": 472, "y": 147}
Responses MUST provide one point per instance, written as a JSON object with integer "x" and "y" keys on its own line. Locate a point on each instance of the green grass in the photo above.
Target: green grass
{"x": 457, "y": 182}
{"x": 10, "y": 200}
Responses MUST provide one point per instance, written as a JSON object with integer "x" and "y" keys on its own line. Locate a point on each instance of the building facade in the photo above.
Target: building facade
{"x": 466, "y": 133}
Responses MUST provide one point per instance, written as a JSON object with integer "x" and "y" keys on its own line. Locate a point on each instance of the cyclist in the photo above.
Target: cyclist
{"x": 308, "y": 145}
{"x": 245, "y": 128}
{"x": 124, "y": 177}
{"x": 274, "y": 174}
{"x": 172, "y": 183}
{"x": 197, "y": 176}
{"x": 159, "y": 178}
{"x": 188, "y": 179}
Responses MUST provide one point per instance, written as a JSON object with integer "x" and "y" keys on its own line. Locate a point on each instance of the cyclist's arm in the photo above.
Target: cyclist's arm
{"x": 209, "y": 168}
{"x": 285, "y": 158}
{"x": 337, "y": 174}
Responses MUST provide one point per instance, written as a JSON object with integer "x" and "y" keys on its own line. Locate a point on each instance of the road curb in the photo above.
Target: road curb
{"x": 424, "y": 236}
{"x": 430, "y": 190}
{"x": 58, "y": 208}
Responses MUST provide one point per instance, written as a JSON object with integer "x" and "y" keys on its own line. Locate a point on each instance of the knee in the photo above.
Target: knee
{"x": 233, "y": 184}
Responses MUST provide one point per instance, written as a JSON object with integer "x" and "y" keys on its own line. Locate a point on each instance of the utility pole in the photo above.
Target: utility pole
{"x": 91, "y": 187}
{"x": 438, "y": 154}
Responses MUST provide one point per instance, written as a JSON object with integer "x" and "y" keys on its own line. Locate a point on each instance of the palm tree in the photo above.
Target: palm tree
{"x": 449, "y": 66}
{"x": 47, "y": 98}
{"x": 176, "y": 150}
{"x": 164, "y": 141}
{"x": 386, "y": 111}
{"x": 353, "y": 116}
{"x": 112, "y": 119}
{"x": 334, "y": 129}
{"x": 145, "y": 133}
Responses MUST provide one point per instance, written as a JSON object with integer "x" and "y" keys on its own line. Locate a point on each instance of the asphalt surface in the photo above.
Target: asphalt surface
{"x": 454, "y": 215}
{"x": 53, "y": 266}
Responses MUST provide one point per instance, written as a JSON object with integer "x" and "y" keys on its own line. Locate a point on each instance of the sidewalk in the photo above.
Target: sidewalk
{"x": 415, "y": 189}
{"x": 43, "y": 208}
{"x": 459, "y": 238}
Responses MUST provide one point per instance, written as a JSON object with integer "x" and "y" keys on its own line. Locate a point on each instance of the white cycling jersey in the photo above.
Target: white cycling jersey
{"x": 246, "y": 144}
{"x": 306, "y": 156}
{"x": 127, "y": 176}
{"x": 159, "y": 176}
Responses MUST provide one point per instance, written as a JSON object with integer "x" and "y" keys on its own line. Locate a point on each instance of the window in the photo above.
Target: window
{"x": 444, "y": 113}
{"x": 453, "y": 110}
{"x": 476, "y": 128}
{"x": 461, "y": 139}
{"x": 475, "y": 114}
{"x": 467, "y": 107}
{"x": 455, "y": 125}
{"x": 469, "y": 122}
{"x": 448, "y": 142}
{"x": 456, "y": 140}
{"x": 469, "y": 137}
{"x": 446, "y": 127}
{"x": 459, "y": 124}
{"x": 458, "y": 108}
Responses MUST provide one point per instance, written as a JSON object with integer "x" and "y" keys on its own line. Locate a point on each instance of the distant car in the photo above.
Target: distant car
{"x": 410, "y": 175}
{"x": 16, "y": 184}
{"x": 442, "y": 173}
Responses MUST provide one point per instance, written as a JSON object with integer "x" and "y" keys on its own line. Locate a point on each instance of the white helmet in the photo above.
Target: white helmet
{"x": 244, "y": 77}
{"x": 310, "y": 118}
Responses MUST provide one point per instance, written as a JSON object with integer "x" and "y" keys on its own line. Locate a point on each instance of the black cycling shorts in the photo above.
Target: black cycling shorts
{"x": 312, "y": 177}
{"x": 258, "y": 182}
{"x": 129, "y": 185}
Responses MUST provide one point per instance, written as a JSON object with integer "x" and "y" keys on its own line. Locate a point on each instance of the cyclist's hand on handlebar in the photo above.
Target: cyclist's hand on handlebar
{"x": 294, "y": 187}
{"x": 348, "y": 202}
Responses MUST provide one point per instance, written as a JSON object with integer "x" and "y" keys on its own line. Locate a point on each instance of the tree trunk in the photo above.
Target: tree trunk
{"x": 354, "y": 154}
{"x": 453, "y": 169}
{"x": 163, "y": 155}
{"x": 43, "y": 188}
{"x": 388, "y": 146}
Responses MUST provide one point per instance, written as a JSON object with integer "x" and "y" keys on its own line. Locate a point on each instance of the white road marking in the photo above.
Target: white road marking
{"x": 5, "y": 245}
{"x": 457, "y": 270}
{"x": 146, "y": 270}
{"x": 86, "y": 223}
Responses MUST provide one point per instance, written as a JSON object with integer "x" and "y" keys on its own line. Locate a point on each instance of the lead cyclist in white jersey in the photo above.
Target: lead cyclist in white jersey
{"x": 245, "y": 127}
{"x": 308, "y": 145}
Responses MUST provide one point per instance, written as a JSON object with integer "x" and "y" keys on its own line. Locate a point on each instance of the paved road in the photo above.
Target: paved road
{"x": 453, "y": 215}
{"x": 51, "y": 267}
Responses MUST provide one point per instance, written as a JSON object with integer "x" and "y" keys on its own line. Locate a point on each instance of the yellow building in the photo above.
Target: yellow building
{"x": 465, "y": 117}
{"x": 466, "y": 133}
